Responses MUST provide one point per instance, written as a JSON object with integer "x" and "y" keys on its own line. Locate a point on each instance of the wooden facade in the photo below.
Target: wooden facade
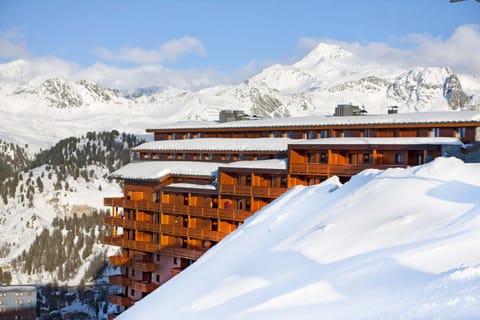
{"x": 162, "y": 225}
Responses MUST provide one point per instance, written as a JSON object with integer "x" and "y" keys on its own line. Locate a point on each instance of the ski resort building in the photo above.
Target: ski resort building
{"x": 198, "y": 181}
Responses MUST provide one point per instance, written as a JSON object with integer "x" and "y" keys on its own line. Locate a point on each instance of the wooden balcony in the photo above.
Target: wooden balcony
{"x": 336, "y": 169}
{"x": 193, "y": 232}
{"x": 132, "y": 204}
{"x": 236, "y": 190}
{"x": 353, "y": 169}
{"x": 119, "y": 280}
{"x": 197, "y": 211}
{"x": 236, "y": 215}
{"x": 113, "y": 240}
{"x": 143, "y": 266}
{"x": 143, "y": 286}
{"x": 132, "y": 224}
{"x": 268, "y": 192}
{"x": 119, "y": 260}
{"x": 193, "y": 254}
{"x": 256, "y": 191}
{"x": 120, "y": 300}
{"x": 131, "y": 244}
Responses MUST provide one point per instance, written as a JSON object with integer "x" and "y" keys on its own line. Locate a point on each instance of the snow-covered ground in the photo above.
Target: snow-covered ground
{"x": 21, "y": 220}
{"x": 394, "y": 244}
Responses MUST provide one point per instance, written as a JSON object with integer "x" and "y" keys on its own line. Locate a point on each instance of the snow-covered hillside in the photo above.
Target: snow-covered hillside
{"x": 394, "y": 244}
{"x": 59, "y": 183}
{"x": 46, "y": 108}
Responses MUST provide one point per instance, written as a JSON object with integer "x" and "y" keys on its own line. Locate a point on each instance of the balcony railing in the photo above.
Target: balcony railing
{"x": 120, "y": 300}
{"x": 193, "y": 232}
{"x": 256, "y": 191}
{"x": 143, "y": 286}
{"x": 196, "y": 211}
{"x": 119, "y": 280}
{"x": 193, "y": 254}
{"x": 143, "y": 266}
{"x": 131, "y": 244}
{"x": 113, "y": 240}
{"x": 336, "y": 169}
{"x": 119, "y": 260}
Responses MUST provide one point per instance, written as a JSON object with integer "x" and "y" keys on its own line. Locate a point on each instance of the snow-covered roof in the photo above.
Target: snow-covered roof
{"x": 218, "y": 144}
{"x": 153, "y": 170}
{"x": 192, "y": 186}
{"x": 259, "y": 164}
{"x": 399, "y": 118}
{"x": 156, "y": 170}
{"x": 381, "y": 141}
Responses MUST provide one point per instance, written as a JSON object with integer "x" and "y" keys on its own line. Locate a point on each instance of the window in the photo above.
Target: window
{"x": 276, "y": 134}
{"x": 214, "y": 225}
{"x": 312, "y": 134}
{"x": 352, "y": 159}
{"x": 367, "y": 158}
{"x": 366, "y": 133}
{"x": 157, "y": 278}
{"x": 346, "y": 133}
{"x": 175, "y": 261}
{"x": 324, "y": 134}
{"x": 419, "y": 158}
{"x": 323, "y": 157}
{"x": 435, "y": 132}
{"x": 311, "y": 158}
{"x": 398, "y": 157}
{"x": 461, "y": 132}
{"x": 290, "y": 134}
{"x": 133, "y": 273}
{"x": 132, "y": 292}
{"x": 155, "y": 197}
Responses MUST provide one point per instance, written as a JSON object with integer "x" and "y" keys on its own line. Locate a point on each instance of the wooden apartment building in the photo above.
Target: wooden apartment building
{"x": 198, "y": 181}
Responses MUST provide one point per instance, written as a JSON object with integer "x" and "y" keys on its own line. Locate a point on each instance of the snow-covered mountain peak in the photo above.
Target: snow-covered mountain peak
{"x": 14, "y": 71}
{"x": 420, "y": 87}
{"x": 323, "y": 52}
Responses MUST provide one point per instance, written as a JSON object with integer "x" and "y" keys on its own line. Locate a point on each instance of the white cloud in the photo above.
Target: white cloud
{"x": 168, "y": 52}
{"x": 460, "y": 51}
{"x": 149, "y": 75}
{"x": 9, "y": 48}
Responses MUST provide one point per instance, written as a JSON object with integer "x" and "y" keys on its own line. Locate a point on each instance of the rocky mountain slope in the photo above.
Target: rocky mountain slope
{"x": 40, "y": 112}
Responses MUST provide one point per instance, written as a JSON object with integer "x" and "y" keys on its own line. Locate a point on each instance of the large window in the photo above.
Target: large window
{"x": 435, "y": 132}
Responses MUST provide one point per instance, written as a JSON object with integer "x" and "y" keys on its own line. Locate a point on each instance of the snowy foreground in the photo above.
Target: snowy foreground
{"x": 395, "y": 244}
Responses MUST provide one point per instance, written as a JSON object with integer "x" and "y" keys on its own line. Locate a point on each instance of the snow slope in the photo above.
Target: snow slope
{"x": 394, "y": 244}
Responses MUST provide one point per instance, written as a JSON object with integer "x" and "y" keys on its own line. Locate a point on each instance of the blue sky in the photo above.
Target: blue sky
{"x": 219, "y": 38}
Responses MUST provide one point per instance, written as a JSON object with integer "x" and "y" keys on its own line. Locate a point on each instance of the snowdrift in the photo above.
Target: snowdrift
{"x": 394, "y": 244}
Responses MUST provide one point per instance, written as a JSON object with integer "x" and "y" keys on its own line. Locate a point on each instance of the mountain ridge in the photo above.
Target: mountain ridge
{"x": 327, "y": 76}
